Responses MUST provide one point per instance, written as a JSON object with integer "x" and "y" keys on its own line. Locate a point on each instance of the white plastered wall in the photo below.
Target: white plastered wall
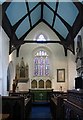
{"x": 4, "y": 53}
{"x": 0, "y": 60}
{"x": 71, "y": 69}
{"x": 58, "y": 59}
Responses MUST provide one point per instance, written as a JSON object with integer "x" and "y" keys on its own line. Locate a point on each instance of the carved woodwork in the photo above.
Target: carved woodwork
{"x": 22, "y": 71}
{"x": 73, "y": 105}
{"x": 56, "y": 104}
{"x": 79, "y": 55}
{"x": 17, "y": 105}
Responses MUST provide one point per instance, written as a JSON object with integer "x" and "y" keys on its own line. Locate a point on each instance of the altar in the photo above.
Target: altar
{"x": 40, "y": 95}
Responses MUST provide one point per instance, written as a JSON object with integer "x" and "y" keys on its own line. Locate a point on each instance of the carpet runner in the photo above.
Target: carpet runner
{"x": 40, "y": 111}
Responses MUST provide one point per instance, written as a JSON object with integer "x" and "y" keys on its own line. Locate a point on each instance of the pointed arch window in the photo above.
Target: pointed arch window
{"x": 41, "y": 64}
{"x": 41, "y": 37}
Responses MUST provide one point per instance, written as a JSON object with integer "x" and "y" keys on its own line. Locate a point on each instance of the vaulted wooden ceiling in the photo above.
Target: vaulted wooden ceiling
{"x": 64, "y": 18}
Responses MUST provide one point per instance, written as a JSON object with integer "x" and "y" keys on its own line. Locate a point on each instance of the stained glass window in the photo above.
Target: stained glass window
{"x": 41, "y": 37}
{"x": 41, "y": 64}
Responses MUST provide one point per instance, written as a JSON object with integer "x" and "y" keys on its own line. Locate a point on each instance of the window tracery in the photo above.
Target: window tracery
{"x": 41, "y": 64}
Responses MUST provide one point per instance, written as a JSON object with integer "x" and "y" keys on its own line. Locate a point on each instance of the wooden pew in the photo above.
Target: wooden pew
{"x": 4, "y": 116}
{"x": 27, "y": 98}
{"x": 14, "y": 106}
{"x": 56, "y": 105}
{"x": 73, "y": 105}
{"x": 18, "y": 107}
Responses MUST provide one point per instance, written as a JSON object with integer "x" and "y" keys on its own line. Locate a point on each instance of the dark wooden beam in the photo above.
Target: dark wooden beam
{"x": 49, "y": 7}
{"x": 42, "y": 5}
{"x": 58, "y": 35}
{"x": 31, "y": 41}
{"x": 23, "y": 37}
{"x": 56, "y": 8}
{"x": 39, "y": 3}
{"x": 5, "y": 6}
{"x": 29, "y": 13}
{"x": 17, "y": 52}
{"x": 65, "y": 50}
{"x": 76, "y": 26}
{"x": 65, "y": 23}
{"x": 19, "y": 22}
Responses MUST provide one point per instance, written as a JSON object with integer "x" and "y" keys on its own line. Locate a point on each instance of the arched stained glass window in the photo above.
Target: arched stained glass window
{"x": 41, "y": 64}
{"x": 41, "y": 37}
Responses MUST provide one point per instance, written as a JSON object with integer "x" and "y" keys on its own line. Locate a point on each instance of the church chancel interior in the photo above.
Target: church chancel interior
{"x": 41, "y": 60}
